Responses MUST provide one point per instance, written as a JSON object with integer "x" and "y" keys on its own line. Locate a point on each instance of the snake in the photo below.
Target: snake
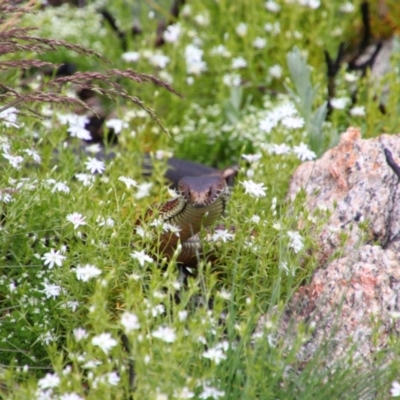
{"x": 201, "y": 200}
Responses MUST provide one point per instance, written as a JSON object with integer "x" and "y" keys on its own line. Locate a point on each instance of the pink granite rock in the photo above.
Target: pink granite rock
{"x": 356, "y": 183}
{"x": 352, "y": 304}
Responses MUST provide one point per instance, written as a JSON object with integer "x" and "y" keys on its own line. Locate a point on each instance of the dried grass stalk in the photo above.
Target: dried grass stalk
{"x": 15, "y": 41}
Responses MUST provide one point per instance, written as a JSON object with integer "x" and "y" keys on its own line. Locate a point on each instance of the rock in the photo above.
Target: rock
{"x": 356, "y": 183}
{"x": 352, "y": 304}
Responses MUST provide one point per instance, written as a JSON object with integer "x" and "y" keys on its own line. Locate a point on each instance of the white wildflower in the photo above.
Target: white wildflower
{"x": 241, "y": 29}
{"x": 14, "y": 161}
{"x": 35, "y": 156}
{"x": 182, "y": 315}
{"x": 80, "y": 334}
{"x": 215, "y": 354}
{"x": 296, "y": 242}
{"x": 280, "y": 149}
{"x": 94, "y": 165}
{"x": 202, "y": 19}
{"x": 351, "y": 77}
{"x": 9, "y": 117}
{"x": 172, "y": 33}
{"x": 254, "y": 189}
{"x": 231, "y": 80}
{"x": 267, "y": 124}
{"x": 113, "y": 378}
{"x": 87, "y": 272}
{"x": 142, "y": 257}
{"x": 86, "y": 179}
{"x": 49, "y": 381}
{"x": 101, "y": 221}
{"x": 165, "y": 333}
{"x": 259, "y": 42}
{"x": 293, "y": 122}
{"x": 185, "y": 393}
{"x": 275, "y": 71}
{"x": 339, "y": 103}
{"x": 272, "y": 6}
{"x": 159, "y": 60}
{"x": 130, "y": 321}
{"x": 72, "y": 304}
{"x": 116, "y": 124}
{"x": 76, "y": 219}
{"x": 60, "y": 187}
{"x": 395, "y": 389}
{"x": 143, "y": 190}
{"x": 47, "y": 338}
{"x": 347, "y": 7}
{"x": 274, "y": 28}
{"x": 5, "y": 197}
{"x": 357, "y": 111}
{"x": 159, "y": 309}
{"x": 303, "y": 152}
{"x": 131, "y": 56}
{"x": 313, "y": 4}
{"x": 79, "y": 132}
{"x": 220, "y": 50}
{"x": 53, "y": 258}
{"x": 51, "y": 290}
{"x": 251, "y": 158}
{"x": 194, "y": 60}
{"x": 211, "y": 392}
{"x": 223, "y": 235}
{"x": 239, "y": 62}
{"x": 128, "y": 181}
{"x": 105, "y": 341}
{"x": 224, "y": 294}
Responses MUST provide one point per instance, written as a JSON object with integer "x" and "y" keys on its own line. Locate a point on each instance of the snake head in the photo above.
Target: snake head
{"x": 201, "y": 191}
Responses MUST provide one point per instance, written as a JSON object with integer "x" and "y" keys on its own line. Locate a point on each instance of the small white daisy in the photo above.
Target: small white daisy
{"x": 94, "y": 165}
{"x": 76, "y": 219}
{"x": 142, "y": 257}
{"x": 254, "y": 189}
{"x": 53, "y": 258}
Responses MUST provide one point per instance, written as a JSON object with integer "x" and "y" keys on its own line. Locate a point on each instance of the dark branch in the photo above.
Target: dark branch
{"x": 333, "y": 67}
{"x": 392, "y": 164}
{"x": 131, "y": 363}
{"x": 113, "y": 24}
{"x": 365, "y": 14}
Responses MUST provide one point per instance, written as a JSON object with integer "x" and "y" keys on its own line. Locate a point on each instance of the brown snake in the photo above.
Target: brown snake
{"x": 201, "y": 201}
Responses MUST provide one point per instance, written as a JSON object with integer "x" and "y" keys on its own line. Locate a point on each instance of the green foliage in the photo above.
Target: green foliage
{"x": 225, "y": 112}
{"x": 304, "y": 97}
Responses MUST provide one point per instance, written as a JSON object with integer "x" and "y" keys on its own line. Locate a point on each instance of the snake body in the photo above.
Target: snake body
{"x": 201, "y": 201}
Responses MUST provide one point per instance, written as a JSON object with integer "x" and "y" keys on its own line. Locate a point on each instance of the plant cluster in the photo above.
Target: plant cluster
{"x": 90, "y": 310}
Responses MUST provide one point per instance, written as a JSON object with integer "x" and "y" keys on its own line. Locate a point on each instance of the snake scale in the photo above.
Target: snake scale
{"x": 200, "y": 202}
